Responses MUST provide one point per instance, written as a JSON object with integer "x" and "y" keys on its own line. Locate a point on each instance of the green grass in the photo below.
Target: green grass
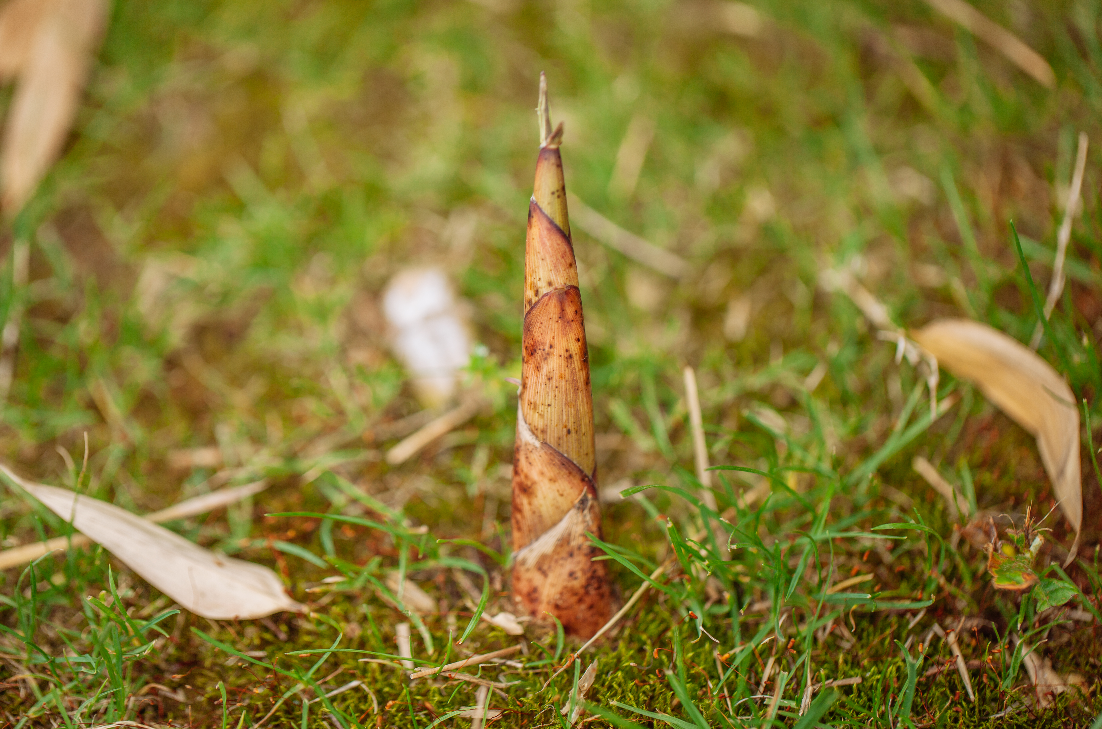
{"x": 243, "y": 179}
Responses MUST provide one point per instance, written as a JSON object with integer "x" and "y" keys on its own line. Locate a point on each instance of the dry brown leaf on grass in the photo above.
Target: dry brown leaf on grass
{"x": 18, "y": 556}
{"x": 48, "y": 44}
{"x": 506, "y": 621}
{"x": 1046, "y": 681}
{"x": 210, "y": 585}
{"x": 1023, "y": 386}
{"x": 574, "y": 704}
{"x": 19, "y": 21}
{"x": 429, "y": 331}
{"x": 411, "y": 595}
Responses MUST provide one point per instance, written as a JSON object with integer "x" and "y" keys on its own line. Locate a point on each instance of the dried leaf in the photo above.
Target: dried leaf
{"x": 52, "y": 73}
{"x": 210, "y": 585}
{"x": 1046, "y": 681}
{"x": 574, "y": 704}
{"x": 19, "y": 23}
{"x": 1023, "y": 386}
{"x": 506, "y": 621}
{"x": 191, "y": 507}
{"x": 412, "y": 596}
{"x": 428, "y": 331}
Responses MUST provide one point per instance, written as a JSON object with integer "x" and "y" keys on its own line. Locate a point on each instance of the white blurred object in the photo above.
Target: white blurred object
{"x": 428, "y": 331}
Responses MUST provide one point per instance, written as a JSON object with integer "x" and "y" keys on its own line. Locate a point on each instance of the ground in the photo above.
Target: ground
{"x": 202, "y": 310}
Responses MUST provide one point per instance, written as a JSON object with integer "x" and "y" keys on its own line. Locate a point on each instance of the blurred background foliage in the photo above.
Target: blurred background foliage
{"x": 241, "y": 172}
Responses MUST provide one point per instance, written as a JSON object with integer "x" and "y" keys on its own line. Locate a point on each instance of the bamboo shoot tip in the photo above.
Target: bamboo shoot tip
{"x": 543, "y": 112}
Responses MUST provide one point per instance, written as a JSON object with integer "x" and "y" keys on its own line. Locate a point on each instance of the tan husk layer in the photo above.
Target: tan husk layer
{"x": 546, "y": 484}
{"x": 554, "y": 467}
{"x": 556, "y": 574}
{"x": 549, "y": 190}
{"x": 555, "y": 394}
{"x": 548, "y": 259}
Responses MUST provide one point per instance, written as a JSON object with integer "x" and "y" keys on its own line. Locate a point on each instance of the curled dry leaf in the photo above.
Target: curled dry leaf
{"x": 428, "y": 331}
{"x": 21, "y": 555}
{"x": 555, "y": 503}
{"x": 506, "y": 621}
{"x": 1046, "y": 681}
{"x": 210, "y": 585}
{"x": 411, "y": 595}
{"x": 19, "y": 22}
{"x": 1023, "y": 386}
{"x": 574, "y": 703}
{"x": 49, "y": 44}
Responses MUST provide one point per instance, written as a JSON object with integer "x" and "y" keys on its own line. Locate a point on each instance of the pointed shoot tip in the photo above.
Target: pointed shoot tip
{"x": 543, "y": 112}
{"x": 555, "y": 140}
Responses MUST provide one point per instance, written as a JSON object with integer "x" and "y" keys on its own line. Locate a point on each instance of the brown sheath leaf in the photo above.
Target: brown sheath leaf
{"x": 548, "y": 257}
{"x": 1023, "y": 386}
{"x": 550, "y": 188}
{"x": 546, "y": 485}
{"x": 556, "y": 574}
{"x": 555, "y": 396}
{"x": 46, "y": 96}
